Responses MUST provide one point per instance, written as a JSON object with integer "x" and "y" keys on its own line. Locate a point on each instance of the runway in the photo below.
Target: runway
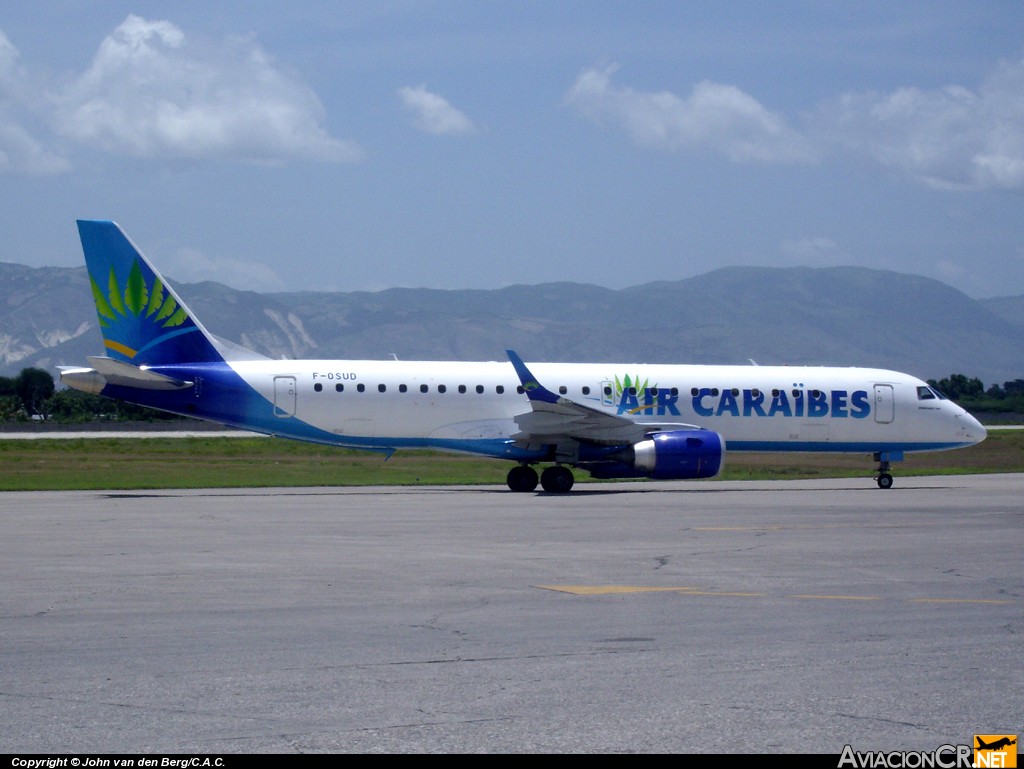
{"x": 696, "y": 617}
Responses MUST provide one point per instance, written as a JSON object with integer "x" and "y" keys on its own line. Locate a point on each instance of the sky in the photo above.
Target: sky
{"x": 455, "y": 144}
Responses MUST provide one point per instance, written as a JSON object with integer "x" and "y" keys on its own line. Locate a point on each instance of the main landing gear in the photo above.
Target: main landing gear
{"x": 522, "y": 478}
{"x": 556, "y": 479}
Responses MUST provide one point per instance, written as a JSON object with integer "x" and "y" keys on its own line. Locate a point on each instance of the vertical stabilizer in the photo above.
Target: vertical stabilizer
{"x": 142, "y": 320}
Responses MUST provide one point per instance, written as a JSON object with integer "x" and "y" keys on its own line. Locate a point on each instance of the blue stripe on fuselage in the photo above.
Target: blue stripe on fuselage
{"x": 844, "y": 447}
{"x": 221, "y": 395}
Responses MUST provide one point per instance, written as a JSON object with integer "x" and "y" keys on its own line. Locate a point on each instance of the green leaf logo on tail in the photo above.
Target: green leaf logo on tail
{"x": 134, "y": 316}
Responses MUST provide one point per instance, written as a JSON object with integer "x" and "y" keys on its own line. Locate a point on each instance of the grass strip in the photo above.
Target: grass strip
{"x": 218, "y": 462}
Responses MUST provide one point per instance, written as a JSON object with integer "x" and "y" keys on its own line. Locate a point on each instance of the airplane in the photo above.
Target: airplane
{"x": 618, "y": 421}
{"x": 1002, "y": 742}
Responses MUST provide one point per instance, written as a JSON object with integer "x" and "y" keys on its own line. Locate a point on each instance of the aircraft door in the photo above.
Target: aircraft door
{"x": 885, "y": 408}
{"x": 284, "y": 396}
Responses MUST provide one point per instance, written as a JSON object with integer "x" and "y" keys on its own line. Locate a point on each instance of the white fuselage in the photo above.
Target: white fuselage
{"x": 755, "y": 408}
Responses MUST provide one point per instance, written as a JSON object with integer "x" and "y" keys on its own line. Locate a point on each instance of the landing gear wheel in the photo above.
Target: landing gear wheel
{"x": 522, "y": 478}
{"x": 883, "y": 478}
{"x": 557, "y": 479}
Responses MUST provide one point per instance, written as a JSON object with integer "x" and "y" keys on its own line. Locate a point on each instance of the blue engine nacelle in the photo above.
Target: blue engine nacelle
{"x": 674, "y": 455}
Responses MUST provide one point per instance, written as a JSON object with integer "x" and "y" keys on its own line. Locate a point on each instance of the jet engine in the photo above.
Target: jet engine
{"x": 671, "y": 455}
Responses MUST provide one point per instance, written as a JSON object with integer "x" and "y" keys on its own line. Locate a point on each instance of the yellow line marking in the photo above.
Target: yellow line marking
{"x": 618, "y": 589}
{"x": 624, "y": 589}
{"x": 840, "y": 597}
{"x": 959, "y": 600}
{"x": 612, "y": 589}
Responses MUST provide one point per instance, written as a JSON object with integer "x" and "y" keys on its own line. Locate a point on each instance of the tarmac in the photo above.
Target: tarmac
{"x": 681, "y": 617}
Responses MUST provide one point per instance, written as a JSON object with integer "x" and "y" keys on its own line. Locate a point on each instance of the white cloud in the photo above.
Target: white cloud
{"x": 20, "y": 151}
{"x": 9, "y": 74}
{"x": 715, "y": 117}
{"x": 152, "y": 91}
{"x": 952, "y": 137}
{"x": 813, "y": 252}
{"x": 191, "y": 266}
{"x": 434, "y": 114}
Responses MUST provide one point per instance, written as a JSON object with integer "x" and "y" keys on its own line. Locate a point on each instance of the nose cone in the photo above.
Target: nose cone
{"x": 970, "y": 428}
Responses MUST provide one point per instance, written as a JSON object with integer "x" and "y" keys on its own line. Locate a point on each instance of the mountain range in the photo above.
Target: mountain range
{"x": 807, "y": 316}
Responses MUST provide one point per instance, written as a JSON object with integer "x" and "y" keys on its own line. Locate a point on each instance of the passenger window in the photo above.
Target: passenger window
{"x": 339, "y": 387}
{"x": 585, "y": 390}
{"x": 480, "y": 389}
{"x": 424, "y": 389}
{"x": 442, "y": 389}
{"x": 381, "y": 388}
{"x": 361, "y": 388}
{"x": 499, "y": 389}
{"x": 402, "y": 388}
{"x": 318, "y": 387}
{"x": 562, "y": 390}
{"x": 462, "y": 388}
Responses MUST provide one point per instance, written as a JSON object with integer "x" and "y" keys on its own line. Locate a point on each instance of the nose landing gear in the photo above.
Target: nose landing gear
{"x": 883, "y": 478}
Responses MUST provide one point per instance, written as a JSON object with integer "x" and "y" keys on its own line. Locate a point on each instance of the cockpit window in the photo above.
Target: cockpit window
{"x": 929, "y": 393}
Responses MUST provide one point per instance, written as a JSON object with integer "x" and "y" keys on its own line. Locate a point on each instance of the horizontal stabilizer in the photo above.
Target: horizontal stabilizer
{"x": 125, "y": 374}
{"x": 88, "y": 380}
{"x": 109, "y": 371}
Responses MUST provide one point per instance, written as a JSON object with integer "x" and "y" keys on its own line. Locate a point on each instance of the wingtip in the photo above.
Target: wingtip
{"x": 535, "y": 391}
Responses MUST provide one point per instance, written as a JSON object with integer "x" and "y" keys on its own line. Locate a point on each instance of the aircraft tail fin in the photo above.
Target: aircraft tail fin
{"x": 142, "y": 319}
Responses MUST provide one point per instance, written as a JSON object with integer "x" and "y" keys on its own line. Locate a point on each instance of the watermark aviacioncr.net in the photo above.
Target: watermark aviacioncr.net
{"x": 990, "y": 751}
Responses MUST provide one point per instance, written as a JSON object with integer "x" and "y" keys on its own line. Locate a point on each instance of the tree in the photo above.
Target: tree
{"x": 958, "y": 386}
{"x": 34, "y": 386}
{"x": 76, "y": 406}
{"x": 1016, "y": 387}
{"x": 10, "y": 408}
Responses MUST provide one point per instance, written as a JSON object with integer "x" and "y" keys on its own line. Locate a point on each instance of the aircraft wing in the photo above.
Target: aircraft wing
{"x": 553, "y": 418}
